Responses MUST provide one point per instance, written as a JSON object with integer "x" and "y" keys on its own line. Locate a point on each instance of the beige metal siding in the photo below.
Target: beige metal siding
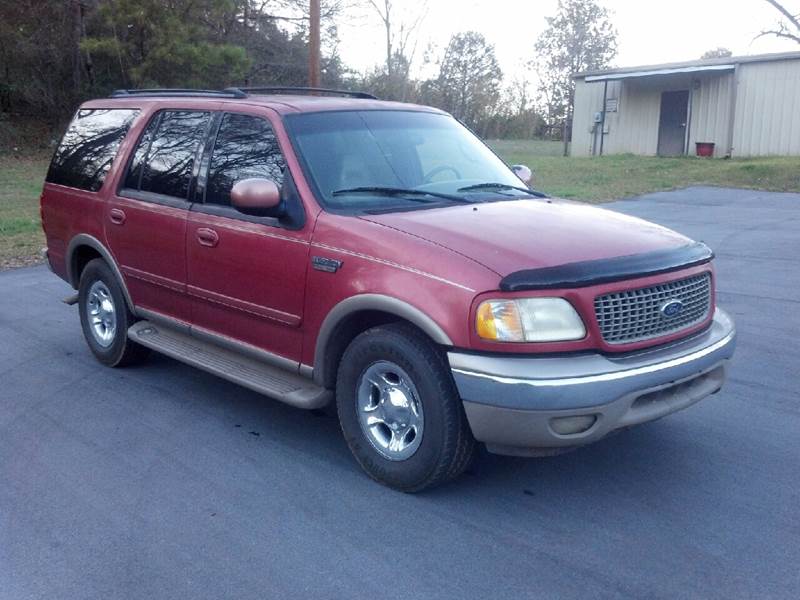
{"x": 767, "y": 120}
{"x": 711, "y": 109}
{"x": 634, "y": 127}
{"x": 588, "y": 100}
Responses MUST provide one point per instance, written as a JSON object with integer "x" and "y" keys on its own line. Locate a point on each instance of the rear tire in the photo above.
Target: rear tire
{"x": 399, "y": 409}
{"x": 105, "y": 317}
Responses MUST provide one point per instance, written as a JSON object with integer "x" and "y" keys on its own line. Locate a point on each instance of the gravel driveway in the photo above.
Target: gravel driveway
{"x": 165, "y": 482}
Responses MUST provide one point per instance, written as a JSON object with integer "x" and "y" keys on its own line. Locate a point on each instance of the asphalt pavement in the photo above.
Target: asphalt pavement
{"x": 161, "y": 481}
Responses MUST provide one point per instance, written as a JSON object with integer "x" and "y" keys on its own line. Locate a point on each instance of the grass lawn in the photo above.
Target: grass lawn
{"x": 591, "y": 179}
{"x": 21, "y": 236}
{"x": 604, "y": 178}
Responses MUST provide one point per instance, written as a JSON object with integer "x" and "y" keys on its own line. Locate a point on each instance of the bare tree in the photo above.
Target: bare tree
{"x": 788, "y": 28}
{"x": 399, "y": 31}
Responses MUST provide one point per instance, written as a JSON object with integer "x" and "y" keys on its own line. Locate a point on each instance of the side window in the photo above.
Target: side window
{"x": 133, "y": 178}
{"x": 245, "y": 147}
{"x": 89, "y": 146}
{"x": 163, "y": 160}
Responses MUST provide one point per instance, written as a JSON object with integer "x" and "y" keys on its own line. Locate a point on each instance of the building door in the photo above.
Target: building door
{"x": 672, "y": 123}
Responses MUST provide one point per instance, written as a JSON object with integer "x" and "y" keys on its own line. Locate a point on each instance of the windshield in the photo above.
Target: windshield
{"x": 380, "y": 159}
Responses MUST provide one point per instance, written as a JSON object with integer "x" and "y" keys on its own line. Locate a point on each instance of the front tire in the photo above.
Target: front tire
{"x": 399, "y": 409}
{"x": 105, "y": 317}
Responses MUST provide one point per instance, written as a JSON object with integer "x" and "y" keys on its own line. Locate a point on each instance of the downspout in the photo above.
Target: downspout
{"x": 732, "y": 110}
{"x": 603, "y": 116}
{"x": 688, "y": 133}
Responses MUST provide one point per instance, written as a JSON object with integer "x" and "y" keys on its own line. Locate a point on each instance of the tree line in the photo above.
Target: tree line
{"x": 56, "y": 53}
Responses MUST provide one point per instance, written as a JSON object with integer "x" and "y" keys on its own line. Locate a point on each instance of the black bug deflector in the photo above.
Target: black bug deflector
{"x": 593, "y": 272}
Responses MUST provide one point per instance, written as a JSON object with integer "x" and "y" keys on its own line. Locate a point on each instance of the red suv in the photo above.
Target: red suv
{"x": 332, "y": 248}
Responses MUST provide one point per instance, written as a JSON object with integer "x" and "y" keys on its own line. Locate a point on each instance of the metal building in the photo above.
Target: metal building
{"x": 745, "y": 106}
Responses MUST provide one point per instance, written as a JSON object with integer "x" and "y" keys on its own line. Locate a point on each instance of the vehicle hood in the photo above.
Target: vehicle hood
{"x": 509, "y": 236}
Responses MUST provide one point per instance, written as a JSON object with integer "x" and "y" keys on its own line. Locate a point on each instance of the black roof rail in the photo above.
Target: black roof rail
{"x": 181, "y": 93}
{"x": 237, "y": 92}
{"x": 271, "y": 89}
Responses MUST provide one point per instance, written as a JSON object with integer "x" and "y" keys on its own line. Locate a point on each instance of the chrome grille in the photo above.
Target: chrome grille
{"x": 635, "y": 315}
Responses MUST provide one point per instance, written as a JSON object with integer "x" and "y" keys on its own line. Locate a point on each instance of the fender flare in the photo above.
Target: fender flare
{"x": 84, "y": 239}
{"x": 379, "y": 302}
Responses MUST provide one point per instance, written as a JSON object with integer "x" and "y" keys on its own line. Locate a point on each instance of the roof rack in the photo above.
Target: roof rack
{"x": 181, "y": 92}
{"x": 305, "y": 90}
{"x": 235, "y": 92}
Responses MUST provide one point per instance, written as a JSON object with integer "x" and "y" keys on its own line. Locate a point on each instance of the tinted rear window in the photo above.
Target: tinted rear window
{"x": 89, "y": 146}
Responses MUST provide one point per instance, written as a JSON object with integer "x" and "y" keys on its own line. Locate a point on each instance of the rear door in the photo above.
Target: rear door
{"x": 246, "y": 274}
{"x": 146, "y": 219}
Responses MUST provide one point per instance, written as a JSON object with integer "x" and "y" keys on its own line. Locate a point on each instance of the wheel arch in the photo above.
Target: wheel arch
{"x": 356, "y": 314}
{"x": 84, "y": 245}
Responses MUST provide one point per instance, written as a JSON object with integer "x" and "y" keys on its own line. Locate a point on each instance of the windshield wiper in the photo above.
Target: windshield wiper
{"x": 489, "y": 185}
{"x": 393, "y": 191}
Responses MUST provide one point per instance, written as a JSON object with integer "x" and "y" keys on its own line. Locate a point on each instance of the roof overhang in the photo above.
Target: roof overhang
{"x": 656, "y": 72}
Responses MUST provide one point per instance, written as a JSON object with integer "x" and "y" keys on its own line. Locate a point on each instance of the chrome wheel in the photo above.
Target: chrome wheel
{"x": 101, "y": 313}
{"x": 389, "y": 410}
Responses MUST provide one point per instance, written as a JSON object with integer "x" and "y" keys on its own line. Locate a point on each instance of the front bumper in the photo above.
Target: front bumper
{"x": 511, "y": 402}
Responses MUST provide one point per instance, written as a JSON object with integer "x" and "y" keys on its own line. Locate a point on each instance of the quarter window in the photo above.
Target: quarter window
{"x": 245, "y": 147}
{"x": 89, "y": 146}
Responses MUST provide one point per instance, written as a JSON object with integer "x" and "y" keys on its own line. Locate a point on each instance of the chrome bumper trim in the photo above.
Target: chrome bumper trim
{"x": 587, "y": 379}
{"x": 581, "y": 380}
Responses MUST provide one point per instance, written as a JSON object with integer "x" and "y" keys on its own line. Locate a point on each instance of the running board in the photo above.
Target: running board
{"x": 256, "y": 375}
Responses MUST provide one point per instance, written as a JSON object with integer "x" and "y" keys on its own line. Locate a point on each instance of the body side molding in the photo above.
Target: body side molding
{"x": 378, "y": 302}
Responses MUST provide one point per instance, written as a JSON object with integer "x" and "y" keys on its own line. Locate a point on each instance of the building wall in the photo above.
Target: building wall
{"x": 711, "y": 111}
{"x": 766, "y": 120}
{"x": 588, "y": 100}
{"x": 633, "y": 128}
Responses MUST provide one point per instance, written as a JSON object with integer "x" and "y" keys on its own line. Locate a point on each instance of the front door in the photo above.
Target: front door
{"x": 672, "y": 123}
{"x": 145, "y": 222}
{"x": 246, "y": 274}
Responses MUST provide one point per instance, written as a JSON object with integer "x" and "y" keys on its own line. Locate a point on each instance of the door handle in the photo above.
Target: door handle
{"x": 207, "y": 237}
{"x": 116, "y": 216}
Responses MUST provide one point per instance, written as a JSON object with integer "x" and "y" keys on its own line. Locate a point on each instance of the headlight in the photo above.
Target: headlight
{"x": 529, "y": 320}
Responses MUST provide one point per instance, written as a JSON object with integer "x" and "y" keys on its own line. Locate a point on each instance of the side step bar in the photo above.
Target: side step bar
{"x": 258, "y": 376}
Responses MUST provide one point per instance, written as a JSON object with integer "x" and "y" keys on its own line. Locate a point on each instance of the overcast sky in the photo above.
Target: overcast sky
{"x": 650, "y": 31}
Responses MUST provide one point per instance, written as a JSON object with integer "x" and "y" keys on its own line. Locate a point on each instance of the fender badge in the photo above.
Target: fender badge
{"x": 329, "y": 265}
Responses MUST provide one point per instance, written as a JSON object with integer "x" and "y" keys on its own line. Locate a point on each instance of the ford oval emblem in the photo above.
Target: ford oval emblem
{"x": 671, "y": 308}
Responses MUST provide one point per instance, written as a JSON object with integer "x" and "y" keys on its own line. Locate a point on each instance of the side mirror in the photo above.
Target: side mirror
{"x": 524, "y": 173}
{"x": 256, "y": 196}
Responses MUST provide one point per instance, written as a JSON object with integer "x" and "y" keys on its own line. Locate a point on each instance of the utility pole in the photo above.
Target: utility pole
{"x": 313, "y": 45}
